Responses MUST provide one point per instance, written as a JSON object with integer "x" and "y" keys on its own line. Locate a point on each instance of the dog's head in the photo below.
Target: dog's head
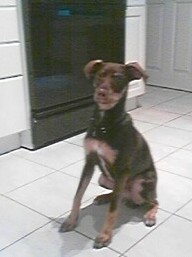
{"x": 111, "y": 80}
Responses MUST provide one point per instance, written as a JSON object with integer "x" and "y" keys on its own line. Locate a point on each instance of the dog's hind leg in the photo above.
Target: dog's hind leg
{"x": 103, "y": 199}
{"x": 149, "y": 194}
{"x": 87, "y": 173}
{"x": 150, "y": 215}
{"x": 142, "y": 191}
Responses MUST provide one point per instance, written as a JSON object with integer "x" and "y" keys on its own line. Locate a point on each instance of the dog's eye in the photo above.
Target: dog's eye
{"x": 118, "y": 82}
{"x": 118, "y": 76}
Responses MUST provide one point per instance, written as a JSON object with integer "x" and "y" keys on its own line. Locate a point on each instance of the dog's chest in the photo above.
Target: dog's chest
{"x": 103, "y": 150}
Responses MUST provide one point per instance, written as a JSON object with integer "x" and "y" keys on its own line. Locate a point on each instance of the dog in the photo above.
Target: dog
{"x": 117, "y": 148}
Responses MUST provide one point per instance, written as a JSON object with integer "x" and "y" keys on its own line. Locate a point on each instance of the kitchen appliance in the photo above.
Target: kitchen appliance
{"x": 61, "y": 37}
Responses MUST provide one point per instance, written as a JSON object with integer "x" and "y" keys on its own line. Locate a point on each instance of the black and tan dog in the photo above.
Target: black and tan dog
{"x": 120, "y": 151}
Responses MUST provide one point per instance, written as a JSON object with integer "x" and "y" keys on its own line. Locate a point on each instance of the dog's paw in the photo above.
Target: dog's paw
{"x": 67, "y": 226}
{"x": 150, "y": 217}
{"x": 149, "y": 220}
{"x": 102, "y": 199}
{"x": 102, "y": 241}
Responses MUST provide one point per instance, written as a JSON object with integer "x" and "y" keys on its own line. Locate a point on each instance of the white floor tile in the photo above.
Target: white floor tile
{"x": 156, "y": 96}
{"x": 173, "y": 238}
{"x": 52, "y": 195}
{"x": 173, "y": 191}
{"x": 186, "y": 211}
{"x": 128, "y": 230}
{"x": 76, "y": 170}
{"x": 188, "y": 147}
{"x": 150, "y": 89}
{"x": 169, "y": 136}
{"x": 144, "y": 126}
{"x": 160, "y": 151}
{"x": 16, "y": 171}
{"x": 48, "y": 242}
{"x": 54, "y": 156}
{"x": 127, "y": 235}
{"x": 179, "y": 163}
{"x": 184, "y": 122}
{"x": 25, "y": 176}
{"x": 16, "y": 221}
{"x": 77, "y": 140}
{"x": 153, "y": 116}
{"x": 180, "y": 105}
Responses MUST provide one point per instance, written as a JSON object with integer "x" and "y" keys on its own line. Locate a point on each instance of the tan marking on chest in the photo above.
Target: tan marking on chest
{"x": 101, "y": 148}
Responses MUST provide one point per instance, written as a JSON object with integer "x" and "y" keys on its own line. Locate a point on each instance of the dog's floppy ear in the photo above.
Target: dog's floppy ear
{"x": 92, "y": 67}
{"x": 134, "y": 72}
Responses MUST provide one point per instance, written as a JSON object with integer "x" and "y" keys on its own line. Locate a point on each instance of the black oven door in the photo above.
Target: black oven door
{"x": 64, "y": 37}
{"x": 61, "y": 37}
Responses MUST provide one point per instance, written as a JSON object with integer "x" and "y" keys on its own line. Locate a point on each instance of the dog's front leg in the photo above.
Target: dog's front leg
{"x": 104, "y": 237}
{"x": 87, "y": 173}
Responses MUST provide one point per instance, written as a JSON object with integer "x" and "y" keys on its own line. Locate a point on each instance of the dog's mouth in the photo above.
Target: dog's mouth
{"x": 102, "y": 97}
{"x": 107, "y": 100}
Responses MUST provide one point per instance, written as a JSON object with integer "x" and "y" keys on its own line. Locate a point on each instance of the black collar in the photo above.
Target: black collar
{"x": 105, "y": 123}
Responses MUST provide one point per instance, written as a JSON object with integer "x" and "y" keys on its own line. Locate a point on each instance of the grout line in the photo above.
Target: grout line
{"x": 26, "y": 206}
{"x": 156, "y": 227}
{"x": 72, "y": 143}
{"x": 172, "y": 173}
{"x": 171, "y": 89}
{"x": 185, "y": 149}
{"x": 175, "y": 213}
{"x": 162, "y": 125}
{"x": 169, "y": 217}
{"x": 28, "y": 183}
{"x": 44, "y": 165}
{"x": 169, "y": 154}
{"x": 33, "y": 161}
{"x": 166, "y": 101}
{"x": 21, "y": 238}
{"x": 187, "y": 145}
{"x": 183, "y": 206}
{"x": 59, "y": 170}
{"x": 69, "y": 165}
{"x": 184, "y": 218}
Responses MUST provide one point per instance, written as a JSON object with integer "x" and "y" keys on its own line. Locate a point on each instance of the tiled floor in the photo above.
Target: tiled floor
{"x": 37, "y": 188}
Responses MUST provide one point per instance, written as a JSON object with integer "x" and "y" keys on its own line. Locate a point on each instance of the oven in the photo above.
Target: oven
{"x": 61, "y": 37}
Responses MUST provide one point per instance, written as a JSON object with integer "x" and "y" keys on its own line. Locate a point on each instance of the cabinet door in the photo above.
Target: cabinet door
{"x": 135, "y": 44}
{"x": 8, "y": 25}
{"x": 7, "y": 2}
{"x": 10, "y": 56}
{"x": 12, "y": 106}
{"x": 169, "y": 43}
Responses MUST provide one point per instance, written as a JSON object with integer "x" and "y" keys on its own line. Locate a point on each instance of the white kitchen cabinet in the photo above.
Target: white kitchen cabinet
{"x": 12, "y": 106}
{"x": 7, "y": 2}
{"x": 10, "y": 56}
{"x": 8, "y": 25}
{"x": 13, "y": 115}
{"x": 135, "y": 2}
{"x": 135, "y": 43}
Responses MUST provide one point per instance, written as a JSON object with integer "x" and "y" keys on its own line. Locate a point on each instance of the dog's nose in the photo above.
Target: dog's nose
{"x": 102, "y": 91}
{"x": 103, "y": 85}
